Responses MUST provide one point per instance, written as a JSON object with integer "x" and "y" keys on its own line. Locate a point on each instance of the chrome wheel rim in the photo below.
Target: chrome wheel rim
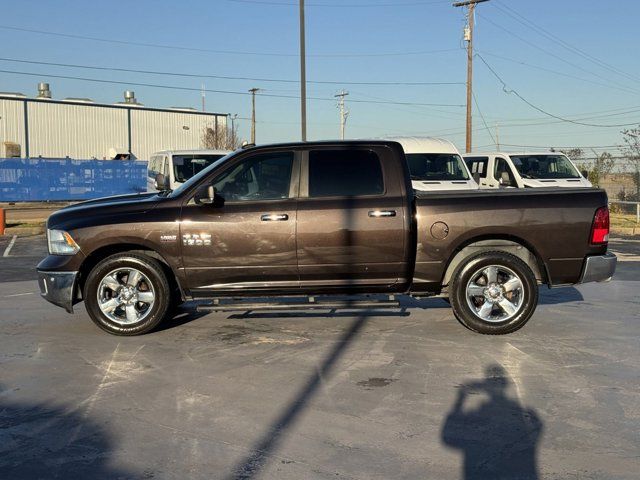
{"x": 495, "y": 293}
{"x": 126, "y": 296}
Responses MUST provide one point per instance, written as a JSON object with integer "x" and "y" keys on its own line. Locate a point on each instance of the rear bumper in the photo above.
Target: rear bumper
{"x": 598, "y": 268}
{"x": 58, "y": 288}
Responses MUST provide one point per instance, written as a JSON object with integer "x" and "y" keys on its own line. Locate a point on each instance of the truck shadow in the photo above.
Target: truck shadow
{"x": 187, "y": 313}
{"x": 497, "y": 436}
{"x": 39, "y": 440}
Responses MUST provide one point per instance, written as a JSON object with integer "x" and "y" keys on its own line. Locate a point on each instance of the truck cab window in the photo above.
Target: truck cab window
{"x": 344, "y": 173}
{"x": 501, "y": 166}
{"x": 477, "y": 165}
{"x": 260, "y": 177}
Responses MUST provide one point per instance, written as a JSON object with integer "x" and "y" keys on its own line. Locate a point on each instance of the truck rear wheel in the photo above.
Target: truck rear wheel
{"x": 493, "y": 293}
{"x": 127, "y": 294}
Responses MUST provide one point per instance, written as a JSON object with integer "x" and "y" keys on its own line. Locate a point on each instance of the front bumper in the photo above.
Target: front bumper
{"x": 598, "y": 268}
{"x": 58, "y": 288}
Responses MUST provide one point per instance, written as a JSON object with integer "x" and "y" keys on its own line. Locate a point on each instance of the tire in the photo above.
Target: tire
{"x": 493, "y": 293}
{"x": 127, "y": 294}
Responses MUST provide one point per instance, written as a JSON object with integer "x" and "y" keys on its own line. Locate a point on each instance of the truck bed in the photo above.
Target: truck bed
{"x": 553, "y": 223}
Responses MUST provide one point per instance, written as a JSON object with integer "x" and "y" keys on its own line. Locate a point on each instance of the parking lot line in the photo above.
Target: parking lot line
{"x": 10, "y": 246}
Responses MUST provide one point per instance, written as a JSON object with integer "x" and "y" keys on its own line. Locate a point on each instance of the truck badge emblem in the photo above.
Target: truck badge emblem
{"x": 196, "y": 239}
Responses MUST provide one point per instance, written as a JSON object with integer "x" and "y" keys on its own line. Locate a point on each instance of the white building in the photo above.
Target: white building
{"x": 79, "y": 128}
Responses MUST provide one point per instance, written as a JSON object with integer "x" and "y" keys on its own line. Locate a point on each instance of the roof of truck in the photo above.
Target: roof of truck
{"x": 192, "y": 152}
{"x": 418, "y": 144}
{"x": 480, "y": 154}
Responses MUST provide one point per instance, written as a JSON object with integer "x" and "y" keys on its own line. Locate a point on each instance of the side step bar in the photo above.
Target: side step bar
{"x": 311, "y": 304}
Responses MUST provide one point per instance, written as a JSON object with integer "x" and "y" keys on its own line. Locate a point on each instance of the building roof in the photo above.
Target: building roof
{"x": 75, "y": 102}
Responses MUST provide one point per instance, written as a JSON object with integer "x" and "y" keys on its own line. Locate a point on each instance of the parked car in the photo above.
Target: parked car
{"x": 178, "y": 166}
{"x": 318, "y": 219}
{"x": 525, "y": 170}
{"x": 435, "y": 164}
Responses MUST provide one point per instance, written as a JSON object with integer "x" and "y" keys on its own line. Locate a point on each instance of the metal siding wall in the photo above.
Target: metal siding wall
{"x": 78, "y": 131}
{"x": 12, "y": 123}
{"x": 153, "y": 131}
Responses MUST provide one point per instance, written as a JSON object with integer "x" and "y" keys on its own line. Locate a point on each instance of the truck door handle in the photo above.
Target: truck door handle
{"x": 382, "y": 213}
{"x": 274, "y": 217}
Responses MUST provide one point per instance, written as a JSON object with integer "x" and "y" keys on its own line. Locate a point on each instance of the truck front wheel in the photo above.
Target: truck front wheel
{"x": 127, "y": 294}
{"x": 494, "y": 293}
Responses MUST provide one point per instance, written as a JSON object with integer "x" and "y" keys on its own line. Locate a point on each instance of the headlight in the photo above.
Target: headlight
{"x": 61, "y": 243}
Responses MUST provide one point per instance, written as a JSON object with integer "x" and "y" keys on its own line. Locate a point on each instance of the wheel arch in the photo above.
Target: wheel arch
{"x": 105, "y": 251}
{"x": 501, "y": 243}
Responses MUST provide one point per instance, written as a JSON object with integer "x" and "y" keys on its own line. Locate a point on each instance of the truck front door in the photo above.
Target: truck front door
{"x": 246, "y": 239}
{"x": 352, "y": 220}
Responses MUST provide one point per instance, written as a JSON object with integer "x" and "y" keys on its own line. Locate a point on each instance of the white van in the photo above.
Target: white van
{"x": 435, "y": 164}
{"x": 178, "y": 166}
{"x": 524, "y": 170}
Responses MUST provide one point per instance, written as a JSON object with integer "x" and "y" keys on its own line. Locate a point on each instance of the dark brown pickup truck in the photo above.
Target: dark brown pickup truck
{"x": 298, "y": 223}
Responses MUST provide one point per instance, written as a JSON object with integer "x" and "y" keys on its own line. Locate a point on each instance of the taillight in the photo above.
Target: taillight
{"x": 600, "y": 228}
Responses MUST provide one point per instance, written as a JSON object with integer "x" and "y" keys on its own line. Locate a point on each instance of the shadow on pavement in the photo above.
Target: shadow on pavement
{"x": 555, "y": 296}
{"x": 43, "y": 441}
{"x": 497, "y": 436}
{"x": 251, "y": 466}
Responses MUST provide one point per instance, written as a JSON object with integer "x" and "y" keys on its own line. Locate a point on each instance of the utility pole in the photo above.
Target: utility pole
{"x": 233, "y": 123}
{"x": 343, "y": 113}
{"x": 468, "y": 37}
{"x": 253, "y": 92}
{"x": 202, "y": 94}
{"x": 303, "y": 76}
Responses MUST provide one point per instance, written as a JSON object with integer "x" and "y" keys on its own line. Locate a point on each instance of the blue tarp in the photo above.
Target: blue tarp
{"x": 42, "y": 179}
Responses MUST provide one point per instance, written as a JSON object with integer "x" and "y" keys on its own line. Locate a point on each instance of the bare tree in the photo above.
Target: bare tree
{"x": 600, "y": 167}
{"x": 631, "y": 149}
{"x": 220, "y": 137}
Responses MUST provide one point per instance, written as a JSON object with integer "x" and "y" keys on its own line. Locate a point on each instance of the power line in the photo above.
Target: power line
{"x": 222, "y": 52}
{"x": 475, "y": 100}
{"x": 549, "y": 35}
{"x": 219, "y": 77}
{"x": 226, "y": 92}
{"x": 537, "y": 47}
{"x": 343, "y": 5}
{"x": 508, "y": 90}
{"x": 563, "y": 74}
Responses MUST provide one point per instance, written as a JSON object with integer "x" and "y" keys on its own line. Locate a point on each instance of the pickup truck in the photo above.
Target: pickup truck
{"x": 315, "y": 220}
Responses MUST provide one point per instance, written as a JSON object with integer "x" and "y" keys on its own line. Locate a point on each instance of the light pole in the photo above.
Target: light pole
{"x": 303, "y": 77}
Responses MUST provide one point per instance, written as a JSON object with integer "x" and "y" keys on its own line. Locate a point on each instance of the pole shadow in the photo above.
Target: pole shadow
{"x": 497, "y": 437}
{"x": 250, "y": 466}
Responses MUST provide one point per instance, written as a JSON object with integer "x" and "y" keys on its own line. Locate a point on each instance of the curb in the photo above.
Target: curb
{"x": 626, "y": 231}
{"x": 24, "y": 231}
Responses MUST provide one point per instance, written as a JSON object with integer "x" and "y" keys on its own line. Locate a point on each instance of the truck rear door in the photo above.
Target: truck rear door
{"x": 353, "y": 218}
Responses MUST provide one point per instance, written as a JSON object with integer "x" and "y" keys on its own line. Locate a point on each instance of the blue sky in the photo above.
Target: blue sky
{"x": 350, "y": 41}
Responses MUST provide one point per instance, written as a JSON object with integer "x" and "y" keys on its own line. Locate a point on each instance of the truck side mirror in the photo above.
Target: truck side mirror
{"x": 206, "y": 195}
{"x": 476, "y": 177}
{"x": 505, "y": 181}
{"x": 585, "y": 174}
{"x": 161, "y": 182}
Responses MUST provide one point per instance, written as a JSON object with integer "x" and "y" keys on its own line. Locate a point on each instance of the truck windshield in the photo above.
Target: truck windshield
{"x": 544, "y": 166}
{"x": 198, "y": 176}
{"x": 436, "y": 166}
{"x": 186, "y": 166}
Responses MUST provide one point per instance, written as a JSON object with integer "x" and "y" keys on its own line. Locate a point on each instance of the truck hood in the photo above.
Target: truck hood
{"x": 559, "y": 182}
{"x": 87, "y": 213}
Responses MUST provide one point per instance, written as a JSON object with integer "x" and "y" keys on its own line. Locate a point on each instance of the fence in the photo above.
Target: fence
{"x": 627, "y": 207}
{"x": 39, "y": 179}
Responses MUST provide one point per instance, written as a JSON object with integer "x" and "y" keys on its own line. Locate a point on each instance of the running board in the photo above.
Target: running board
{"x": 312, "y": 304}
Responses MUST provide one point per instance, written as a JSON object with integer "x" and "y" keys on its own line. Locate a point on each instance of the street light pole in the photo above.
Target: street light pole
{"x": 303, "y": 77}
